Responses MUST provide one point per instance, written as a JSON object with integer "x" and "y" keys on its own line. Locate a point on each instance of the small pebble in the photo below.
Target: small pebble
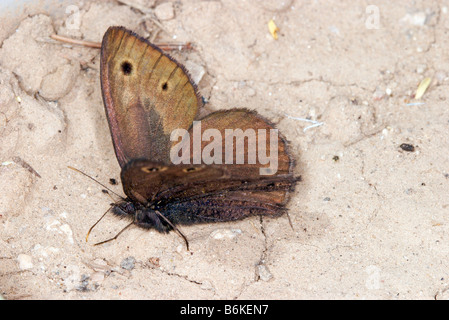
{"x": 128, "y": 263}
{"x": 421, "y": 68}
{"x": 207, "y": 285}
{"x": 407, "y": 147}
{"x": 97, "y": 277}
{"x": 25, "y": 262}
{"x": 68, "y": 231}
{"x": 276, "y": 5}
{"x": 99, "y": 265}
{"x": 221, "y": 234}
{"x": 196, "y": 71}
{"x": 417, "y": 19}
{"x": 263, "y": 273}
{"x": 164, "y": 11}
{"x": 378, "y": 94}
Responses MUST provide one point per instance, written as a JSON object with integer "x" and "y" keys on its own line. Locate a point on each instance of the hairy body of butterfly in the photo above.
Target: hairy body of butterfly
{"x": 224, "y": 199}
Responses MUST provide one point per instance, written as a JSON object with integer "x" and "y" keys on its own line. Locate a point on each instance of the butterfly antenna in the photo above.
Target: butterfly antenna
{"x": 88, "y": 232}
{"x": 174, "y": 228}
{"x": 79, "y": 171}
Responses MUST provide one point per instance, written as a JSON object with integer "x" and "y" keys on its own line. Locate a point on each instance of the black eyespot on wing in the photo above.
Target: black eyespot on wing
{"x": 165, "y": 86}
{"x": 127, "y": 68}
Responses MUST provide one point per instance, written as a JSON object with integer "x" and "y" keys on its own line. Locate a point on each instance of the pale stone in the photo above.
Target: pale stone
{"x": 164, "y": 11}
{"x": 25, "y": 262}
{"x": 221, "y": 234}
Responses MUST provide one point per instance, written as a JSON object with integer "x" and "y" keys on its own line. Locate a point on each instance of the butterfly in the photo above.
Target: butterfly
{"x": 148, "y": 96}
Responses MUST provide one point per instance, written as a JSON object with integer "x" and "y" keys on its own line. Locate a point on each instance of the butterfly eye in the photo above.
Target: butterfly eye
{"x": 153, "y": 169}
{"x": 191, "y": 169}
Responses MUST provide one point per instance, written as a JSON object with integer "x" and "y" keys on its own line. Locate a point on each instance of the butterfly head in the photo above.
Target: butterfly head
{"x": 145, "y": 217}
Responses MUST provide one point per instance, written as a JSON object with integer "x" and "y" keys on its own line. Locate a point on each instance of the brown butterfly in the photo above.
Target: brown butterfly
{"x": 147, "y": 96}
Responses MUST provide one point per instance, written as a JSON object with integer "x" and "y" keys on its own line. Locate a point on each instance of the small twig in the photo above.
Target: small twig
{"x": 25, "y": 165}
{"x": 315, "y": 123}
{"x": 89, "y": 44}
{"x": 97, "y": 45}
{"x": 415, "y": 104}
{"x": 134, "y": 5}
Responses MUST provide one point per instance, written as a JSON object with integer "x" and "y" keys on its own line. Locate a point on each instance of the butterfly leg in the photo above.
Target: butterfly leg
{"x": 116, "y": 236}
{"x": 174, "y": 228}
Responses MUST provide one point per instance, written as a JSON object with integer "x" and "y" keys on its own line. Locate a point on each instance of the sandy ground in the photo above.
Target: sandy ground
{"x": 370, "y": 219}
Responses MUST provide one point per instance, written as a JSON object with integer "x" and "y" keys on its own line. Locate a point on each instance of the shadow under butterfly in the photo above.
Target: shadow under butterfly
{"x": 147, "y": 95}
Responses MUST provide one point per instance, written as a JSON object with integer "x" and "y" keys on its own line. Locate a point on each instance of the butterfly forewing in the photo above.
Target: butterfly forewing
{"x": 146, "y": 94}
